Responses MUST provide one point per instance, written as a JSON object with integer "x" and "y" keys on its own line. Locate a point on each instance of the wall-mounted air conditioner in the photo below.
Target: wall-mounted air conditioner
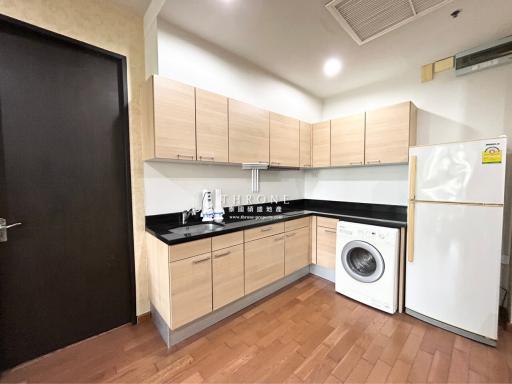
{"x": 483, "y": 57}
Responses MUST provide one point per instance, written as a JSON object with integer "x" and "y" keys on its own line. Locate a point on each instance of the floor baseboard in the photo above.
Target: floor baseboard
{"x": 144, "y": 317}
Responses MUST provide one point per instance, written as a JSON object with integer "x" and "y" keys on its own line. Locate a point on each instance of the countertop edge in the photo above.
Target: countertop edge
{"x": 355, "y": 219}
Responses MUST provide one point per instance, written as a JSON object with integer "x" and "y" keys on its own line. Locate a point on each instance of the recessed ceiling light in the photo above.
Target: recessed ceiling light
{"x": 332, "y": 67}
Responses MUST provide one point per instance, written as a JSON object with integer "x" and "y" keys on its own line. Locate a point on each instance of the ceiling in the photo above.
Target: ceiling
{"x": 293, "y": 38}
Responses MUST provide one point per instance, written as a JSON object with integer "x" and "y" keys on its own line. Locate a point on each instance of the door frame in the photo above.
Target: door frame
{"x": 123, "y": 85}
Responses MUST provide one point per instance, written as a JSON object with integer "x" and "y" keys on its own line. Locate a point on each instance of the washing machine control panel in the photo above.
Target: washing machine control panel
{"x": 367, "y": 235}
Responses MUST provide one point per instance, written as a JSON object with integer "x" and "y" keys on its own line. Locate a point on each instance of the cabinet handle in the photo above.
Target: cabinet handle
{"x": 201, "y": 261}
{"x": 358, "y": 162}
{"x": 207, "y": 158}
{"x": 191, "y": 157}
{"x": 373, "y": 162}
{"x": 306, "y": 165}
{"x": 291, "y": 234}
{"x": 275, "y": 163}
{"x": 266, "y": 229}
{"x": 279, "y": 238}
{"x": 222, "y": 254}
{"x": 330, "y": 230}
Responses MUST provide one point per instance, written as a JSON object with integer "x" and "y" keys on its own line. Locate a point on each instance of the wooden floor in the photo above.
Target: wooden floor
{"x": 304, "y": 333}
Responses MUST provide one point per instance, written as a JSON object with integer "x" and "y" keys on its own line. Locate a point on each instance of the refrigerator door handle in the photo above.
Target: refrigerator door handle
{"x": 410, "y": 211}
{"x": 413, "y": 161}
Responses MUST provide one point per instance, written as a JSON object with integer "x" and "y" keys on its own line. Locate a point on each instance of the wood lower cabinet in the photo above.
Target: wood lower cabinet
{"x": 322, "y": 144}
{"x": 211, "y": 126}
{"x": 326, "y": 247}
{"x": 264, "y": 231}
{"x": 347, "y": 140}
{"x": 249, "y": 133}
{"x": 284, "y": 141}
{"x": 191, "y": 289}
{"x": 264, "y": 262}
{"x": 313, "y": 239}
{"x": 169, "y": 121}
{"x": 389, "y": 133}
{"x": 296, "y": 253}
{"x": 228, "y": 275}
{"x": 305, "y": 159}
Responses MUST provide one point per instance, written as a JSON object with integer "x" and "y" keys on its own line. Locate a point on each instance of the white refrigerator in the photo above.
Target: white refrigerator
{"x": 455, "y": 221}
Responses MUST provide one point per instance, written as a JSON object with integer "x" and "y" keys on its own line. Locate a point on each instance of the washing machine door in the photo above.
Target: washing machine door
{"x": 362, "y": 261}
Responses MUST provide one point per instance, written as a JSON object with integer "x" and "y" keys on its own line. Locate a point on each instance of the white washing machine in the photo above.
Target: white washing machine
{"x": 367, "y": 264}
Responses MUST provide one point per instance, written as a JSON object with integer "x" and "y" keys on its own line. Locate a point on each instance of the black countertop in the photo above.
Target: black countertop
{"x": 161, "y": 226}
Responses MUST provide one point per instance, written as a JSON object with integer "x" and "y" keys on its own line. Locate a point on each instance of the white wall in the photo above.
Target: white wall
{"x": 192, "y": 60}
{"x": 382, "y": 185}
{"x": 175, "y": 187}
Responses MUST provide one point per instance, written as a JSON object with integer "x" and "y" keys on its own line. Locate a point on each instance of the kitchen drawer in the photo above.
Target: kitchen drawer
{"x": 326, "y": 247}
{"x": 260, "y": 232}
{"x": 192, "y": 248}
{"x": 228, "y": 275}
{"x": 327, "y": 222}
{"x": 264, "y": 262}
{"x": 191, "y": 289}
{"x": 296, "y": 224}
{"x": 228, "y": 240}
{"x": 296, "y": 251}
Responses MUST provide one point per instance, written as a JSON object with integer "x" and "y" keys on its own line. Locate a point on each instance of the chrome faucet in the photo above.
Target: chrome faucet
{"x": 185, "y": 215}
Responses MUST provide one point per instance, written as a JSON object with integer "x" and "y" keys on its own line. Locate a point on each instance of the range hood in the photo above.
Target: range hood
{"x": 255, "y": 174}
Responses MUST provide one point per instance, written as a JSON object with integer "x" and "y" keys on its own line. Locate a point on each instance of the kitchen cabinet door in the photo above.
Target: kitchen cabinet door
{"x": 191, "y": 289}
{"x": 174, "y": 118}
{"x": 347, "y": 140}
{"x": 305, "y": 145}
{"x": 296, "y": 253}
{"x": 326, "y": 247}
{"x": 249, "y": 133}
{"x": 263, "y": 231}
{"x": 264, "y": 262}
{"x": 284, "y": 141}
{"x": 211, "y": 126}
{"x": 322, "y": 144}
{"x": 389, "y": 133}
{"x": 313, "y": 239}
{"x": 228, "y": 275}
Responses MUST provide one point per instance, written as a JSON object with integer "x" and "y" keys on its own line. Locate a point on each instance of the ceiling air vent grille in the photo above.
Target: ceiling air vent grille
{"x": 365, "y": 20}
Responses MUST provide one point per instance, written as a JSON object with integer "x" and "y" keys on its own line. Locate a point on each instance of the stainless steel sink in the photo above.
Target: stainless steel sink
{"x": 196, "y": 229}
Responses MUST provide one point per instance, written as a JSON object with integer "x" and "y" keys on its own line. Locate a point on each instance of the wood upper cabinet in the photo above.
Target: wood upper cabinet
{"x": 211, "y": 126}
{"x": 191, "y": 289}
{"x": 169, "y": 130}
{"x": 389, "y": 133}
{"x": 264, "y": 262}
{"x": 305, "y": 145}
{"x": 322, "y": 144}
{"x": 296, "y": 253}
{"x": 228, "y": 275}
{"x": 284, "y": 141}
{"x": 249, "y": 133}
{"x": 347, "y": 140}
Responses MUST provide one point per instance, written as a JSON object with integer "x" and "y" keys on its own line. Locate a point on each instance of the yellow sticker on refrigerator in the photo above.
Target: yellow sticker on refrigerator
{"x": 492, "y": 154}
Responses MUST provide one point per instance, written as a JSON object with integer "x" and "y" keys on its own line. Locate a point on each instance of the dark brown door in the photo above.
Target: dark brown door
{"x": 65, "y": 273}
